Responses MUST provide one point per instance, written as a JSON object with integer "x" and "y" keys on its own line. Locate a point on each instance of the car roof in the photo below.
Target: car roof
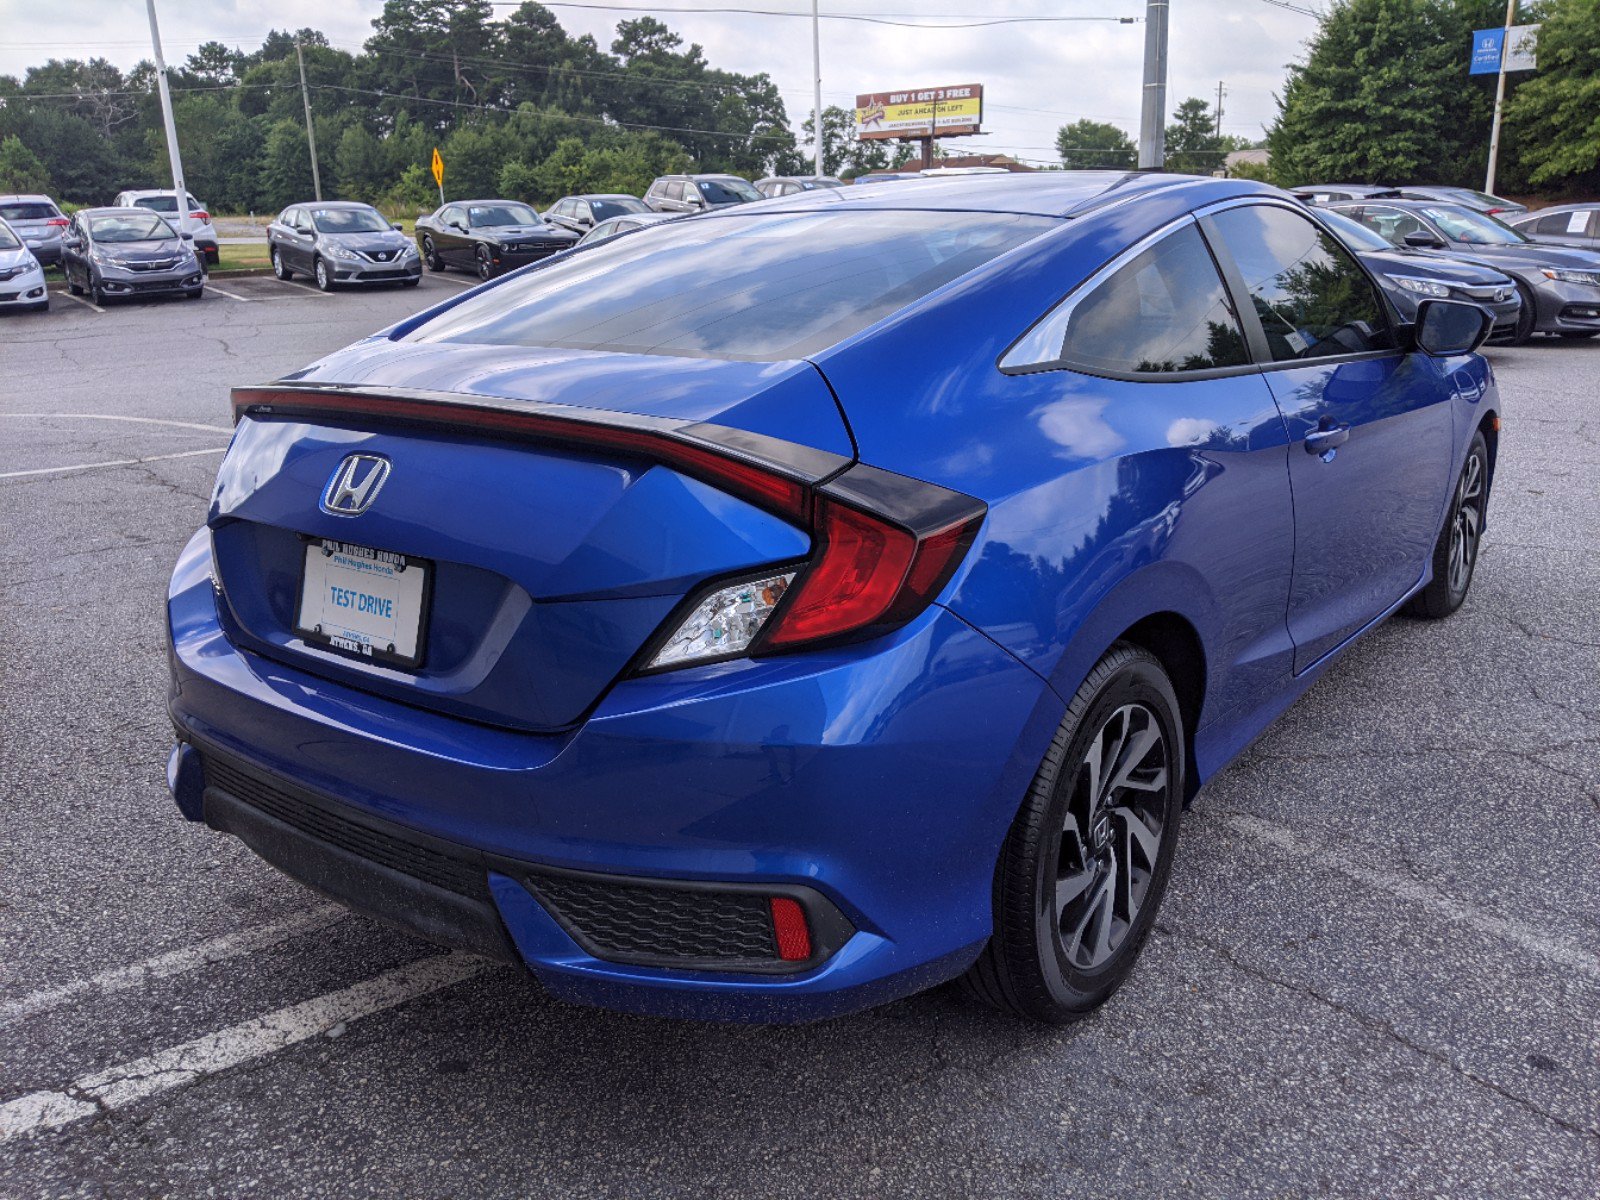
{"x": 484, "y": 200}
{"x": 25, "y": 198}
{"x": 605, "y": 195}
{"x": 109, "y": 210}
{"x": 339, "y": 204}
{"x": 1401, "y": 202}
{"x": 1046, "y": 193}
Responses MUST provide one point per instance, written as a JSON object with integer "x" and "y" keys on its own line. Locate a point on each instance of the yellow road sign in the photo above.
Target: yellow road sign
{"x": 438, "y": 167}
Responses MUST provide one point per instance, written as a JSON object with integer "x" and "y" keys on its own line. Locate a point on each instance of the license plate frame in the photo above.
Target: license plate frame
{"x": 404, "y": 580}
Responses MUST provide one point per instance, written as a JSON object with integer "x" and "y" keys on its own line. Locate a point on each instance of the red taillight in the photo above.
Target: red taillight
{"x": 789, "y": 927}
{"x": 851, "y": 583}
{"x": 201, "y": 215}
{"x": 58, "y": 222}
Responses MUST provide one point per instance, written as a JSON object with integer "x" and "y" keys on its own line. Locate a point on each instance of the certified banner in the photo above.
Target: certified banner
{"x": 928, "y": 112}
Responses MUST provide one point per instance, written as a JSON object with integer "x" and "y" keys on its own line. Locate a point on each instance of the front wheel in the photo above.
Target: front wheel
{"x": 1455, "y": 554}
{"x": 1526, "y": 316}
{"x": 1087, "y": 859}
{"x": 485, "y": 263}
{"x": 323, "y": 276}
{"x": 430, "y": 255}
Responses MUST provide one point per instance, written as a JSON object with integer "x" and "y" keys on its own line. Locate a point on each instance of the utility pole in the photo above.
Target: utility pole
{"x": 311, "y": 129}
{"x": 816, "y": 83}
{"x": 180, "y": 190}
{"x": 1499, "y": 96}
{"x": 1220, "y": 94}
{"x": 1153, "y": 116}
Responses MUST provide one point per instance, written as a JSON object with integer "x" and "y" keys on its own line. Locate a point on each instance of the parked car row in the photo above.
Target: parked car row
{"x": 1551, "y": 258}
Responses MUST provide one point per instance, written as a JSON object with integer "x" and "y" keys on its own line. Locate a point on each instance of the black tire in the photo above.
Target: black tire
{"x": 483, "y": 261}
{"x": 321, "y": 273}
{"x": 280, "y": 269}
{"x": 1526, "y": 316}
{"x": 1578, "y": 335}
{"x": 1072, "y": 847}
{"x": 430, "y": 255}
{"x": 1455, "y": 554}
{"x": 96, "y": 293}
{"x": 412, "y": 282}
{"x": 73, "y": 285}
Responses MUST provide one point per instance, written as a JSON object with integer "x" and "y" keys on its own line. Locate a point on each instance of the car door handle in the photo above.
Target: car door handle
{"x": 1323, "y": 442}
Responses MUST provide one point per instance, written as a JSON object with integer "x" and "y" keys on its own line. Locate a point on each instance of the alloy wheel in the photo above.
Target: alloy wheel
{"x": 1467, "y": 526}
{"x": 322, "y": 275}
{"x": 485, "y": 266}
{"x": 1111, "y": 836}
{"x": 277, "y": 264}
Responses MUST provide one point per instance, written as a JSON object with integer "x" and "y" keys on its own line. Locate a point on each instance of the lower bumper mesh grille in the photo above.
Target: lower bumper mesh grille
{"x": 420, "y": 862}
{"x": 638, "y": 922}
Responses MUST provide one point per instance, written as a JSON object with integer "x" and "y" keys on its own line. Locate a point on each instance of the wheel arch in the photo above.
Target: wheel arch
{"x": 1176, "y": 644}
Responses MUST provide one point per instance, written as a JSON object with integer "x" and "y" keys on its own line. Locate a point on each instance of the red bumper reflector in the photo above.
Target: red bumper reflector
{"x": 789, "y": 924}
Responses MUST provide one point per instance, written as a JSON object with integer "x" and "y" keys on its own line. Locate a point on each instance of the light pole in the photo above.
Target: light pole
{"x": 816, "y": 94}
{"x": 311, "y": 129}
{"x": 180, "y": 190}
{"x": 1152, "y": 118}
{"x": 1499, "y": 97}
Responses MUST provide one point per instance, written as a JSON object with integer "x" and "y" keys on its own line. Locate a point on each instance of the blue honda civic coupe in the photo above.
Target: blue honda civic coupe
{"x": 775, "y": 612}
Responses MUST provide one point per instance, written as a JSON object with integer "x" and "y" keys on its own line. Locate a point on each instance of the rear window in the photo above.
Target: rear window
{"x": 760, "y": 289}
{"x": 32, "y": 210}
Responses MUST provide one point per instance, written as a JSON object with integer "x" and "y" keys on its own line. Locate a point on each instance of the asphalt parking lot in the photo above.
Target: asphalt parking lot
{"x": 1377, "y": 972}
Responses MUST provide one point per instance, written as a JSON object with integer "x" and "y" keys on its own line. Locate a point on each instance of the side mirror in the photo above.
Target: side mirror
{"x": 694, "y": 202}
{"x": 586, "y": 222}
{"x": 1422, "y": 240}
{"x": 395, "y": 225}
{"x": 187, "y": 236}
{"x": 1447, "y": 328}
{"x": 71, "y": 241}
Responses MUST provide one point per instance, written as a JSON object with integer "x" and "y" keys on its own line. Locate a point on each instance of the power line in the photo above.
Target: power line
{"x": 971, "y": 23}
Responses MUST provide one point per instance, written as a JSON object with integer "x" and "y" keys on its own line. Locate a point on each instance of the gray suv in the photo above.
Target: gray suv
{"x": 38, "y": 222}
{"x": 699, "y": 193}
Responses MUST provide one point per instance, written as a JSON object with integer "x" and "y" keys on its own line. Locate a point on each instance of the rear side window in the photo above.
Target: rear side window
{"x": 1161, "y": 312}
{"x": 758, "y": 288}
{"x": 1313, "y": 299}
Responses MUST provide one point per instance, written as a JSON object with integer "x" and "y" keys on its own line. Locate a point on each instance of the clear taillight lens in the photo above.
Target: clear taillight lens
{"x": 724, "y": 623}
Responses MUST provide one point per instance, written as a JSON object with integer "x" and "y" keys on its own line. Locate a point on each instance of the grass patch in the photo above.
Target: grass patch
{"x": 240, "y": 258}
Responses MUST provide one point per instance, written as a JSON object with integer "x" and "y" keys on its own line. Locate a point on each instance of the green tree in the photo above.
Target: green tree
{"x": 1096, "y": 145}
{"x": 842, "y": 152}
{"x": 1383, "y": 96}
{"x": 20, "y": 168}
{"x": 1552, "y": 122}
{"x": 1192, "y": 144}
{"x": 361, "y": 164}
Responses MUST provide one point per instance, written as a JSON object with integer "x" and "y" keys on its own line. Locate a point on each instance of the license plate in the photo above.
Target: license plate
{"x": 364, "y": 601}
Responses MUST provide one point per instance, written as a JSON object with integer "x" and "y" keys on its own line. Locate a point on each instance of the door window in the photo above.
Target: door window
{"x": 452, "y": 217}
{"x": 1161, "y": 312}
{"x": 580, "y": 210}
{"x": 1392, "y": 223}
{"x": 674, "y": 189}
{"x": 1312, "y": 297}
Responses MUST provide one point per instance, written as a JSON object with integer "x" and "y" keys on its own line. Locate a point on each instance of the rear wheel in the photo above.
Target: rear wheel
{"x": 430, "y": 254}
{"x": 280, "y": 269}
{"x": 324, "y": 277}
{"x": 1526, "y": 316}
{"x": 1086, "y": 863}
{"x": 1455, "y": 554}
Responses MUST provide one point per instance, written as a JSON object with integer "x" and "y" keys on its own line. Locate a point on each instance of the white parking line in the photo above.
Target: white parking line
{"x": 80, "y": 300}
{"x": 122, "y": 1085}
{"x": 119, "y": 417}
{"x": 174, "y": 962}
{"x": 1323, "y": 854}
{"x": 222, "y": 291}
{"x": 115, "y": 462}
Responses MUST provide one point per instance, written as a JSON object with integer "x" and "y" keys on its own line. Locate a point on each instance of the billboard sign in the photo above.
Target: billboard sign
{"x": 928, "y": 112}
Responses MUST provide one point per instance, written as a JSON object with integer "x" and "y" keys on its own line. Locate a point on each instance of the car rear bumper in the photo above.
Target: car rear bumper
{"x": 873, "y": 785}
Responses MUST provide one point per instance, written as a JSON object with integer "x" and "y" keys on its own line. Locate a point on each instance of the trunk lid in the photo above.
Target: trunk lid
{"x": 549, "y": 566}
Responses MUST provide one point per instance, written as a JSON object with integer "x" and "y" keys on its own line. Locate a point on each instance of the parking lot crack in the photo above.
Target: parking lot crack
{"x": 1376, "y": 1025}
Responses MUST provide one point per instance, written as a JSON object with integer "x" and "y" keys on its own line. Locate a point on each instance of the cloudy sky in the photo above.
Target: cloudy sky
{"x": 1036, "y": 76}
